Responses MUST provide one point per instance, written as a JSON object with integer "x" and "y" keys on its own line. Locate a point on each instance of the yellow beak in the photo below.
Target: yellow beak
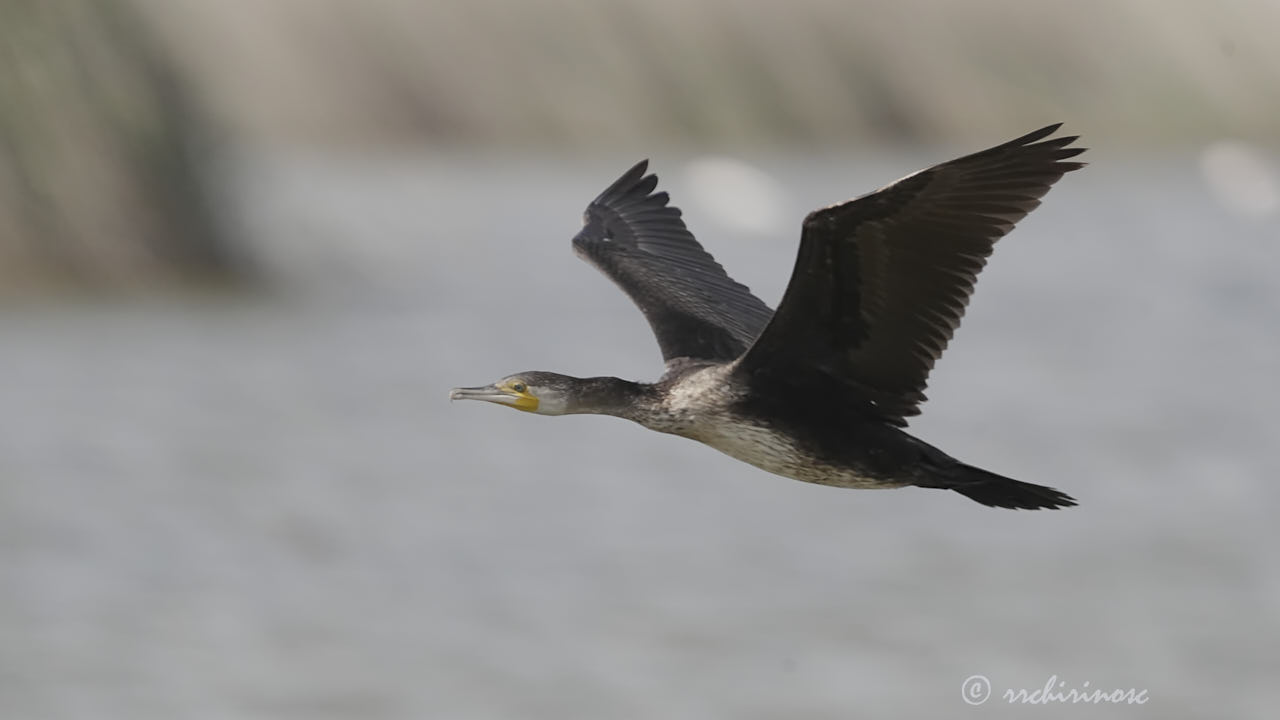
{"x": 495, "y": 394}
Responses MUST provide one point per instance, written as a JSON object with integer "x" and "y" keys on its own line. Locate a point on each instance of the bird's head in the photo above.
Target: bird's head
{"x": 544, "y": 393}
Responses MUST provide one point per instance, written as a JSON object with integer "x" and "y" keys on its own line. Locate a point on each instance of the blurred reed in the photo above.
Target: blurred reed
{"x": 597, "y": 73}
{"x": 99, "y": 178}
{"x": 106, "y": 105}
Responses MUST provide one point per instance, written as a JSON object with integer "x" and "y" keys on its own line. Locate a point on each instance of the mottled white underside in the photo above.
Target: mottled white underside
{"x": 697, "y": 407}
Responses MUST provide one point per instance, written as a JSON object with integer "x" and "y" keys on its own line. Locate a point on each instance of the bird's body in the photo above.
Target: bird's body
{"x": 701, "y": 402}
{"x": 820, "y": 390}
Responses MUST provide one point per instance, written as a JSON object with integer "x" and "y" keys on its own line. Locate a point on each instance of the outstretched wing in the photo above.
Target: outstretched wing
{"x": 881, "y": 281}
{"x": 694, "y": 308}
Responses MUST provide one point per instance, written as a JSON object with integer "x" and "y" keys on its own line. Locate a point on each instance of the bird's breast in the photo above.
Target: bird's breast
{"x": 764, "y": 447}
{"x": 704, "y": 407}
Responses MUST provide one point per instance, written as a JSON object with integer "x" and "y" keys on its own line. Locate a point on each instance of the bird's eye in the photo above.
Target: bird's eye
{"x": 518, "y": 386}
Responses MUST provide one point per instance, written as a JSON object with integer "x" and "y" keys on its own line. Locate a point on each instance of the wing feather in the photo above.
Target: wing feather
{"x": 881, "y": 282}
{"x": 641, "y": 243}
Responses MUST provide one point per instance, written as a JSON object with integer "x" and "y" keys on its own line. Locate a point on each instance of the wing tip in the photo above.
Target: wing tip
{"x": 1035, "y": 136}
{"x": 1043, "y": 132}
{"x": 1039, "y": 142}
{"x": 632, "y": 186}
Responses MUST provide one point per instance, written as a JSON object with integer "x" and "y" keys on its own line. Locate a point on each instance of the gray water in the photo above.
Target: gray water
{"x": 265, "y": 507}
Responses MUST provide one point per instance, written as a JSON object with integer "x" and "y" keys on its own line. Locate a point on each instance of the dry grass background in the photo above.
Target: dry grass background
{"x": 728, "y": 71}
{"x": 106, "y": 105}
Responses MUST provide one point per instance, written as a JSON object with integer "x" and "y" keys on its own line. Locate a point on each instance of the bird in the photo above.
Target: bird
{"x": 821, "y": 389}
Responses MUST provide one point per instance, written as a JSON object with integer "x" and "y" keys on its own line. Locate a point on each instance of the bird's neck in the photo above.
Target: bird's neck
{"x": 613, "y": 396}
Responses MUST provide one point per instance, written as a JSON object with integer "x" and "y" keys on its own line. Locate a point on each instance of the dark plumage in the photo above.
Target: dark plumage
{"x": 695, "y": 309}
{"x": 819, "y": 390}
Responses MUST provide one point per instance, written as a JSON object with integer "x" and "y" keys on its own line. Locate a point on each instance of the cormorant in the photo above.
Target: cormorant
{"x": 820, "y": 389}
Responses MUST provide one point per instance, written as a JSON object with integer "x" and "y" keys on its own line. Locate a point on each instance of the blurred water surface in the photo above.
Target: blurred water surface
{"x": 266, "y": 507}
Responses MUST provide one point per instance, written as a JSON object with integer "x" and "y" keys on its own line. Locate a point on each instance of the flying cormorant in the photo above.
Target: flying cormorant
{"x": 820, "y": 389}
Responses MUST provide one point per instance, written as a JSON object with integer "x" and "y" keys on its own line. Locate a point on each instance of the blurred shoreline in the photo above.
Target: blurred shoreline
{"x": 116, "y": 115}
{"x": 727, "y": 73}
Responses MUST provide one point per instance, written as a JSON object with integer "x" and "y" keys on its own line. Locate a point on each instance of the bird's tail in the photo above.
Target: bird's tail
{"x": 995, "y": 490}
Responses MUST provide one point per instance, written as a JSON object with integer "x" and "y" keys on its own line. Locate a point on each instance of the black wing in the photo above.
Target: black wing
{"x": 694, "y": 308}
{"x": 882, "y": 281}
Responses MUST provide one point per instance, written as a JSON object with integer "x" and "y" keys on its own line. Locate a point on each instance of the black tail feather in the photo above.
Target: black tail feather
{"x": 995, "y": 490}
